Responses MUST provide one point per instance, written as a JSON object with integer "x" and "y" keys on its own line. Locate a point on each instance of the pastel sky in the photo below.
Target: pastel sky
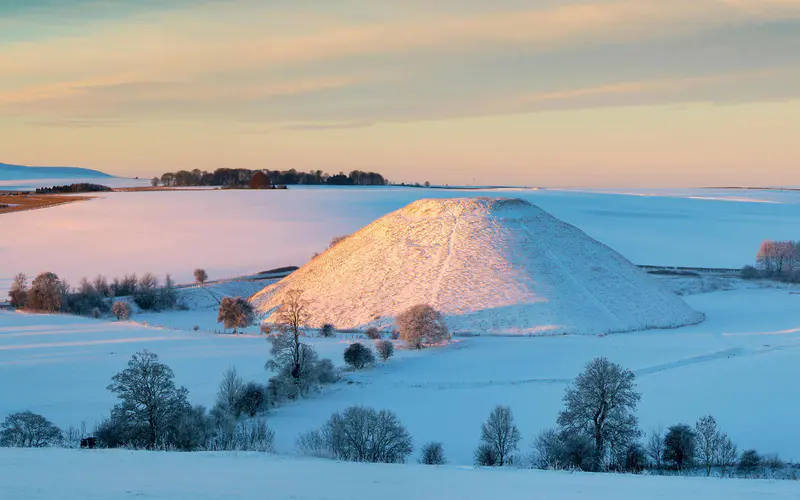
{"x": 534, "y": 92}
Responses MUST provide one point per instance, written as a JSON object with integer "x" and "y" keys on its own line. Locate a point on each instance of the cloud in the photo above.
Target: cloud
{"x": 327, "y": 126}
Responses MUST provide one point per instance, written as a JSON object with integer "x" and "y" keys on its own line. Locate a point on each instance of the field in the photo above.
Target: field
{"x": 740, "y": 365}
{"x": 108, "y": 475}
{"x": 239, "y": 232}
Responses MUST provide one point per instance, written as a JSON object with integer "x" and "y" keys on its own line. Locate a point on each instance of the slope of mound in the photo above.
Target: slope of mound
{"x": 490, "y": 265}
{"x": 19, "y": 172}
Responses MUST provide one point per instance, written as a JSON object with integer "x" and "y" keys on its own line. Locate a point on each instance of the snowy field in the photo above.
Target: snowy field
{"x": 236, "y": 232}
{"x": 740, "y": 365}
{"x": 107, "y": 475}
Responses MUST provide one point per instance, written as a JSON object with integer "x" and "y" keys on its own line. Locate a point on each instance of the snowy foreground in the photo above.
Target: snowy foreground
{"x": 117, "y": 474}
{"x": 741, "y": 365}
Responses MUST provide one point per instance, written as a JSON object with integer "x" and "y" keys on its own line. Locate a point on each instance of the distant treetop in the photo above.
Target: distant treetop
{"x": 241, "y": 177}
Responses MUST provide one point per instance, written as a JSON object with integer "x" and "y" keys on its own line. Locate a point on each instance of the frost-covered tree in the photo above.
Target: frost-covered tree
{"x": 421, "y": 325}
{"x": 500, "y": 435}
{"x": 200, "y": 276}
{"x": 708, "y": 441}
{"x": 655, "y": 447}
{"x": 46, "y": 293}
{"x": 150, "y": 405}
{"x": 602, "y": 403}
{"x": 358, "y": 356}
{"x": 253, "y": 399}
{"x": 28, "y": 430}
{"x": 680, "y": 446}
{"x": 121, "y": 309}
{"x": 727, "y": 453}
{"x": 432, "y": 454}
{"x": 235, "y": 312}
{"x": 385, "y": 349}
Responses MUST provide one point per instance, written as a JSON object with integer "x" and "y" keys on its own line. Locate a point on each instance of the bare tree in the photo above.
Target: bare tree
{"x": 293, "y": 313}
{"x": 230, "y": 393}
{"x": 235, "y": 312}
{"x": 602, "y": 402}
{"x": 421, "y": 325}
{"x": 121, "y": 309}
{"x": 200, "y": 276}
{"x": 146, "y": 295}
{"x": 500, "y": 435}
{"x": 101, "y": 285}
{"x": 46, "y": 293}
{"x": 385, "y": 349}
{"x": 432, "y": 454}
{"x": 727, "y": 454}
{"x": 749, "y": 462}
{"x": 28, "y": 430}
{"x": 655, "y": 447}
{"x": 18, "y": 294}
{"x": 287, "y": 350}
{"x": 708, "y": 441}
{"x": 149, "y": 399}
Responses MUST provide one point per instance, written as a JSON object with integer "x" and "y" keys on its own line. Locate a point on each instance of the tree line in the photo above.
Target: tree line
{"x": 48, "y": 293}
{"x": 777, "y": 260}
{"x": 73, "y": 188}
{"x": 241, "y": 177}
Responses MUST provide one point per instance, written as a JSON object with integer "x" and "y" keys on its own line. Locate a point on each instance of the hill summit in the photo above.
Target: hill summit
{"x": 490, "y": 265}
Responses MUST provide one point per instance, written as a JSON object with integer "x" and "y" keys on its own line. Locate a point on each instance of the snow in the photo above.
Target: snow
{"x": 117, "y": 474}
{"x": 492, "y": 265}
{"x": 739, "y": 365}
{"x": 236, "y": 232}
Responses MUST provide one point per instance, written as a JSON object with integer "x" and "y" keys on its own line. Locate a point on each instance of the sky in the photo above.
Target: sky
{"x": 592, "y": 93}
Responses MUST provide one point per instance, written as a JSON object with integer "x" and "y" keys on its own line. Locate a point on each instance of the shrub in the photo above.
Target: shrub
{"x": 121, "y": 310}
{"x": 749, "y": 462}
{"x": 359, "y": 434}
{"x": 253, "y": 435}
{"x": 230, "y": 393}
{"x": 421, "y": 325}
{"x": 28, "y": 430}
{"x": 500, "y": 435}
{"x": 195, "y": 328}
{"x": 385, "y": 349}
{"x": 485, "y": 456}
{"x": 373, "y": 333}
{"x": 358, "y": 356}
{"x": 252, "y": 399}
{"x": 337, "y": 239}
{"x": 265, "y": 329}
{"x": 146, "y": 295}
{"x": 327, "y": 330}
{"x": 432, "y": 454}
{"x": 96, "y": 313}
{"x": 749, "y": 273}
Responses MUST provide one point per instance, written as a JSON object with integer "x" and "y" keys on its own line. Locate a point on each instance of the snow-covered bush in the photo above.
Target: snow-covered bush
{"x": 252, "y": 400}
{"x": 432, "y": 454}
{"x": 358, "y": 356}
{"x": 373, "y": 333}
{"x": 327, "y": 331}
{"x": 421, "y": 325}
{"x": 359, "y": 434}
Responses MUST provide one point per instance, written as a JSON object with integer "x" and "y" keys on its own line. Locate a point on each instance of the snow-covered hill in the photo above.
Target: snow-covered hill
{"x": 491, "y": 265}
{"x": 17, "y": 172}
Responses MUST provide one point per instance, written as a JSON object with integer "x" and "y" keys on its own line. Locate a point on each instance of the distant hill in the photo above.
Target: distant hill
{"x": 17, "y": 172}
